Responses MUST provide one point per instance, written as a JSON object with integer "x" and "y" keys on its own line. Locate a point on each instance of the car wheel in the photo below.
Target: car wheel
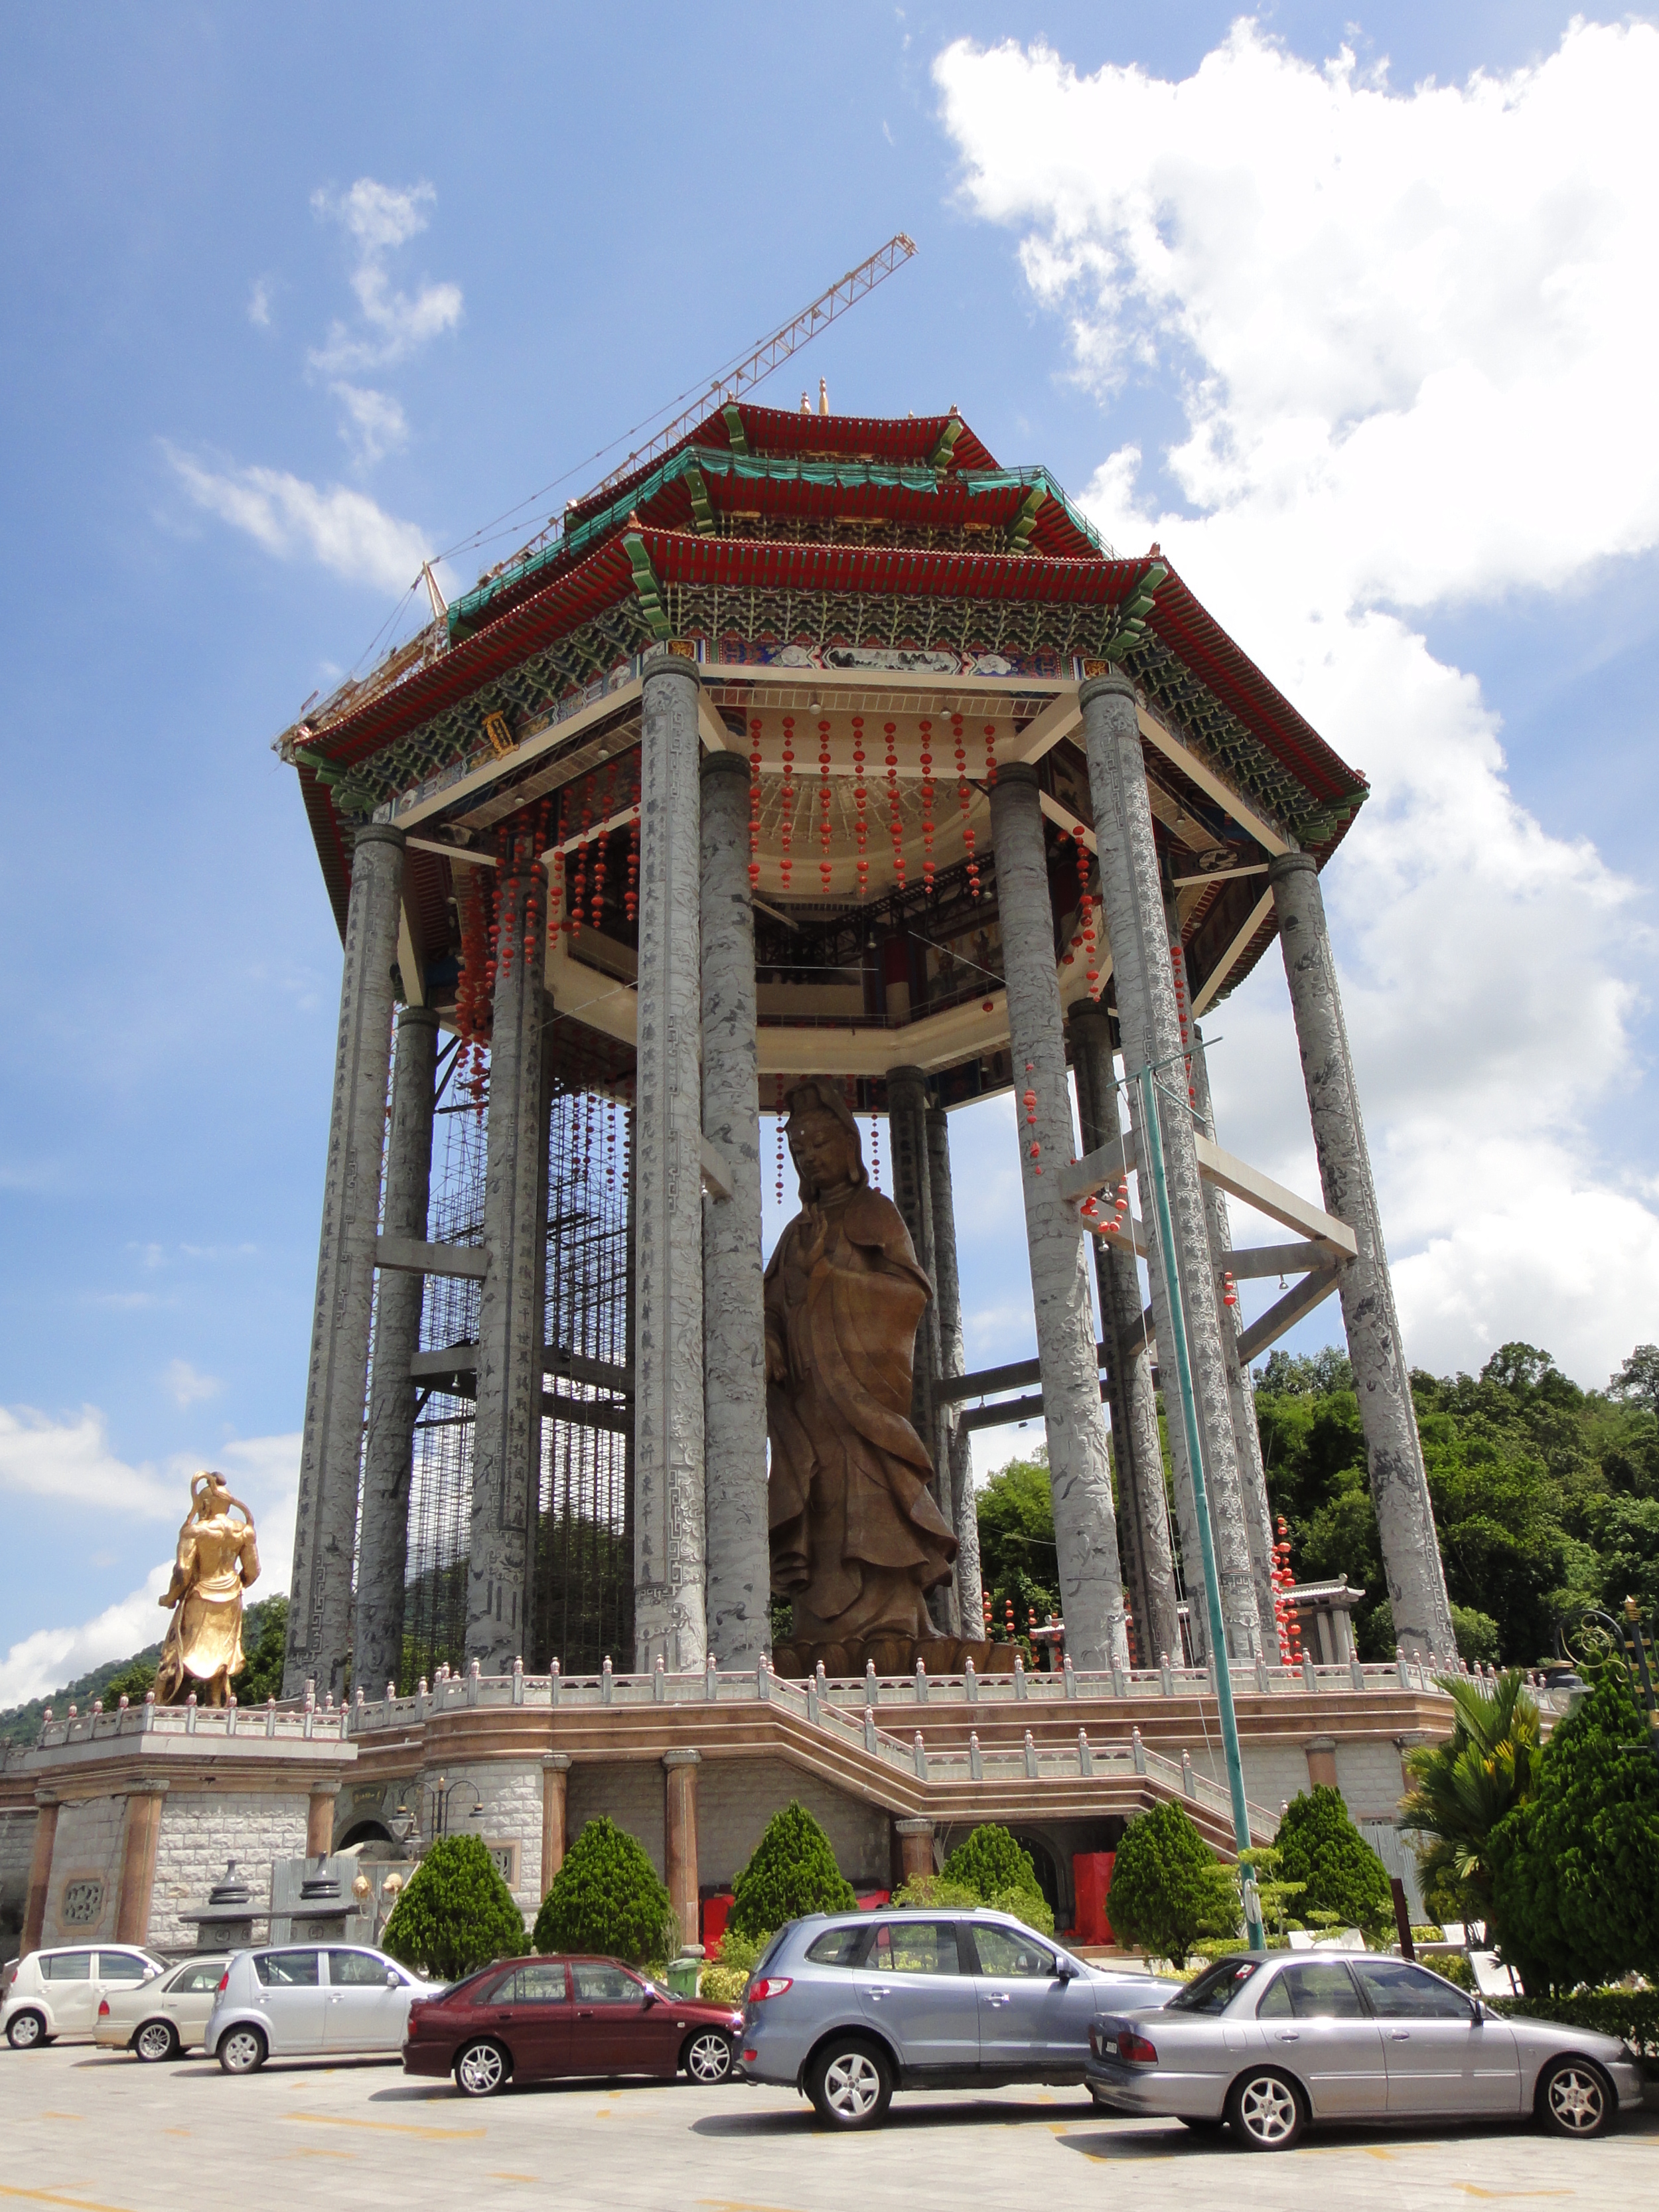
{"x": 1574, "y": 2098}
{"x": 157, "y": 2039}
{"x": 242, "y": 2050}
{"x": 1265, "y": 2111}
{"x": 27, "y": 2030}
{"x": 707, "y": 2057}
{"x": 850, "y": 2083}
{"x": 481, "y": 2069}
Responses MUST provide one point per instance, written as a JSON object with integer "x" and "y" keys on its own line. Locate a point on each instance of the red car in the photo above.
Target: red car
{"x": 530, "y": 2019}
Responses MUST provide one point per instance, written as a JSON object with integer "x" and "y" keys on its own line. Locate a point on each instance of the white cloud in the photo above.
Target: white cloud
{"x": 263, "y": 1470}
{"x": 379, "y": 218}
{"x": 375, "y": 424}
{"x": 185, "y": 1387}
{"x": 259, "y": 304}
{"x": 1412, "y": 336}
{"x": 71, "y": 1459}
{"x": 342, "y": 529}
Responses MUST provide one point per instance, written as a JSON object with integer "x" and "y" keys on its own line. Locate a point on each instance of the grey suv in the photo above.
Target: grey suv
{"x": 850, "y": 2008}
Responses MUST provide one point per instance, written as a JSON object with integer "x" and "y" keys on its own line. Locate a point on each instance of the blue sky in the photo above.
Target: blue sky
{"x": 239, "y": 393}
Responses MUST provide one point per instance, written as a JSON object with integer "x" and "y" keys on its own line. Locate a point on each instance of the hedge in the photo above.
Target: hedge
{"x": 1630, "y": 2014}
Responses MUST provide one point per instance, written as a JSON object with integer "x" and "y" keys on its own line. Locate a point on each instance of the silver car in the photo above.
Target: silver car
{"x": 849, "y": 2008}
{"x": 305, "y": 1999}
{"x": 1266, "y": 2046}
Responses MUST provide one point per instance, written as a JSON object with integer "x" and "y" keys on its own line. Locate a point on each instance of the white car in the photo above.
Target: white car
{"x": 304, "y": 2000}
{"x": 56, "y": 1992}
{"x": 166, "y": 2015}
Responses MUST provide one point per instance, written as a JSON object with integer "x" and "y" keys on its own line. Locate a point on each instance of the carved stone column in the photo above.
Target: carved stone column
{"x": 513, "y": 1307}
{"x": 669, "y": 1506}
{"x": 377, "y": 1641}
{"x": 1400, "y": 1489}
{"x": 332, "y": 1440}
{"x": 1079, "y": 1468}
{"x": 140, "y": 1835}
{"x": 555, "y": 1780}
{"x": 45, "y": 1835}
{"x": 734, "y": 1322}
{"x": 955, "y": 1445}
{"x": 680, "y": 1833}
{"x": 1241, "y": 1394}
{"x": 1143, "y": 1509}
{"x": 1144, "y": 983}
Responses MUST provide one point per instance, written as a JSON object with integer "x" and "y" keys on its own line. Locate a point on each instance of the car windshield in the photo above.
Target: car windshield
{"x": 1214, "y": 1990}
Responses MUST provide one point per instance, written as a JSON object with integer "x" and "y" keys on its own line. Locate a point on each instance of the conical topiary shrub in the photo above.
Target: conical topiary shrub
{"x": 607, "y": 1898}
{"x": 456, "y": 1914}
{"x": 1168, "y": 1886}
{"x": 793, "y": 1873}
{"x": 999, "y": 1873}
{"x": 1318, "y": 1845}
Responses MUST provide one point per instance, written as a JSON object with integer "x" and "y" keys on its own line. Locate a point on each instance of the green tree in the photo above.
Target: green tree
{"x": 1575, "y": 1867}
{"x": 134, "y": 1683}
{"x": 1168, "y": 1889}
{"x": 607, "y": 1898}
{"x": 457, "y": 1912}
{"x": 990, "y": 1867}
{"x": 1461, "y": 1789}
{"x": 1318, "y": 1846}
{"x": 1017, "y": 1554}
{"x": 1638, "y": 1378}
{"x": 793, "y": 1873}
{"x": 265, "y": 1642}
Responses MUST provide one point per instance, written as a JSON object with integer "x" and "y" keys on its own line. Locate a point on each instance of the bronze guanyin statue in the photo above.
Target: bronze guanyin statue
{"x": 857, "y": 1537}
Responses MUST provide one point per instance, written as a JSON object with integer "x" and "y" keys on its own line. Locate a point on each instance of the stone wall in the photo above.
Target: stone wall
{"x": 736, "y": 1798}
{"x": 200, "y": 1830}
{"x": 16, "y": 1853}
{"x": 85, "y": 1871}
{"x": 631, "y": 1792}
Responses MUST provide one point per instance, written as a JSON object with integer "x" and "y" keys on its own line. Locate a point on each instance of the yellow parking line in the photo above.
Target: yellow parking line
{"x": 63, "y": 2116}
{"x": 312, "y": 2150}
{"x": 736, "y": 2204}
{"x": 532, "y": 2179}
{"x": 1473, "y": 2189}
{"x": 47, "y": 2197}
{"x": 386, "y": 2127}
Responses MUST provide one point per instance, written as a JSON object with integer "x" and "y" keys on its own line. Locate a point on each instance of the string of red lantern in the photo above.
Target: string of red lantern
{"x": 631, "y": 895}
{"x": 927, "y": 806}
{"x": 753, "y": 802}
{"x": 875, "y": 1149}
{"x": 789, "y": 795}
{"x": 823, "y": 803}
{"x": 964, "y": 799}
{"x": 1085, "y": 907}
{"x": 1035, "y": 1148}
{"x": 896, "y": 812}
{"x": 861, "y": 799}
{"x": 777, "y": 1107}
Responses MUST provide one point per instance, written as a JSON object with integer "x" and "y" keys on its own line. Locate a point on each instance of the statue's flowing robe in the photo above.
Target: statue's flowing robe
{"x": 217, "y": 1559}
{"x": 857, "y": 1539}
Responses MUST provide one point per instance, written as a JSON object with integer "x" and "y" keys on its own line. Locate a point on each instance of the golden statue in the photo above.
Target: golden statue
{"x": 217, "y": 1558}
{"x": 857, "y": 1539}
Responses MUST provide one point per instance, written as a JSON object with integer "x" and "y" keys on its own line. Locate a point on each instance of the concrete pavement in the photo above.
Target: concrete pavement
{"x": 88, "y": 2131}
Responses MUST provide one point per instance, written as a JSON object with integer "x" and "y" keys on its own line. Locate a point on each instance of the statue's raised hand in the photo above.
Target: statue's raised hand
{"x": 814, "y": 1236}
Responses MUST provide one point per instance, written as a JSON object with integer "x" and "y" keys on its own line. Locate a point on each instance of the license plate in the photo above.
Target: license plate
{"x": 1109, "y": 2047}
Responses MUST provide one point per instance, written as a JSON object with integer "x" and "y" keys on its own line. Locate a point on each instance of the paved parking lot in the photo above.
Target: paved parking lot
{"x": 90, "y": 2132}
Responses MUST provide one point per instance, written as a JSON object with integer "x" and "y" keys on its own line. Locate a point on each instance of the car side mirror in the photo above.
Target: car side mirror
{"x": 393, "y": 1981}
{"x": 1066, "y": 1969}
{"x": 1481, "y": 2012}
{"x": 650, "y": 1999}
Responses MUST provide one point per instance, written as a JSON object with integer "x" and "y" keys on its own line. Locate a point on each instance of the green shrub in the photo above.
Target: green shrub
{"x": 939, "y": 1890}
{"x": 1318, "y": 1846}
{"x": 1168, "y": 1886}
{"x": 1575, "y": 1867}
{"x": 457, "y": 1912}
{"x": 1455, "y": 1966}
{"x": 725, "y": 1976}
{"x": 606, "y": 1897}
{"x": 793, "y": 1873}
{"x": 1630, "y": 2014}
{"x": 990, "y": 1860}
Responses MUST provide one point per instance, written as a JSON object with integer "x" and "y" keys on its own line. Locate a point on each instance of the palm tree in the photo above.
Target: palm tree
{"x": 1461, "y": 1789}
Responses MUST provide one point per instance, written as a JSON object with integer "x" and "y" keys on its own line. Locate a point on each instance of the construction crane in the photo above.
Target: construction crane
{"x": 770, "y": 353}
{"x": 773, "y": 352}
